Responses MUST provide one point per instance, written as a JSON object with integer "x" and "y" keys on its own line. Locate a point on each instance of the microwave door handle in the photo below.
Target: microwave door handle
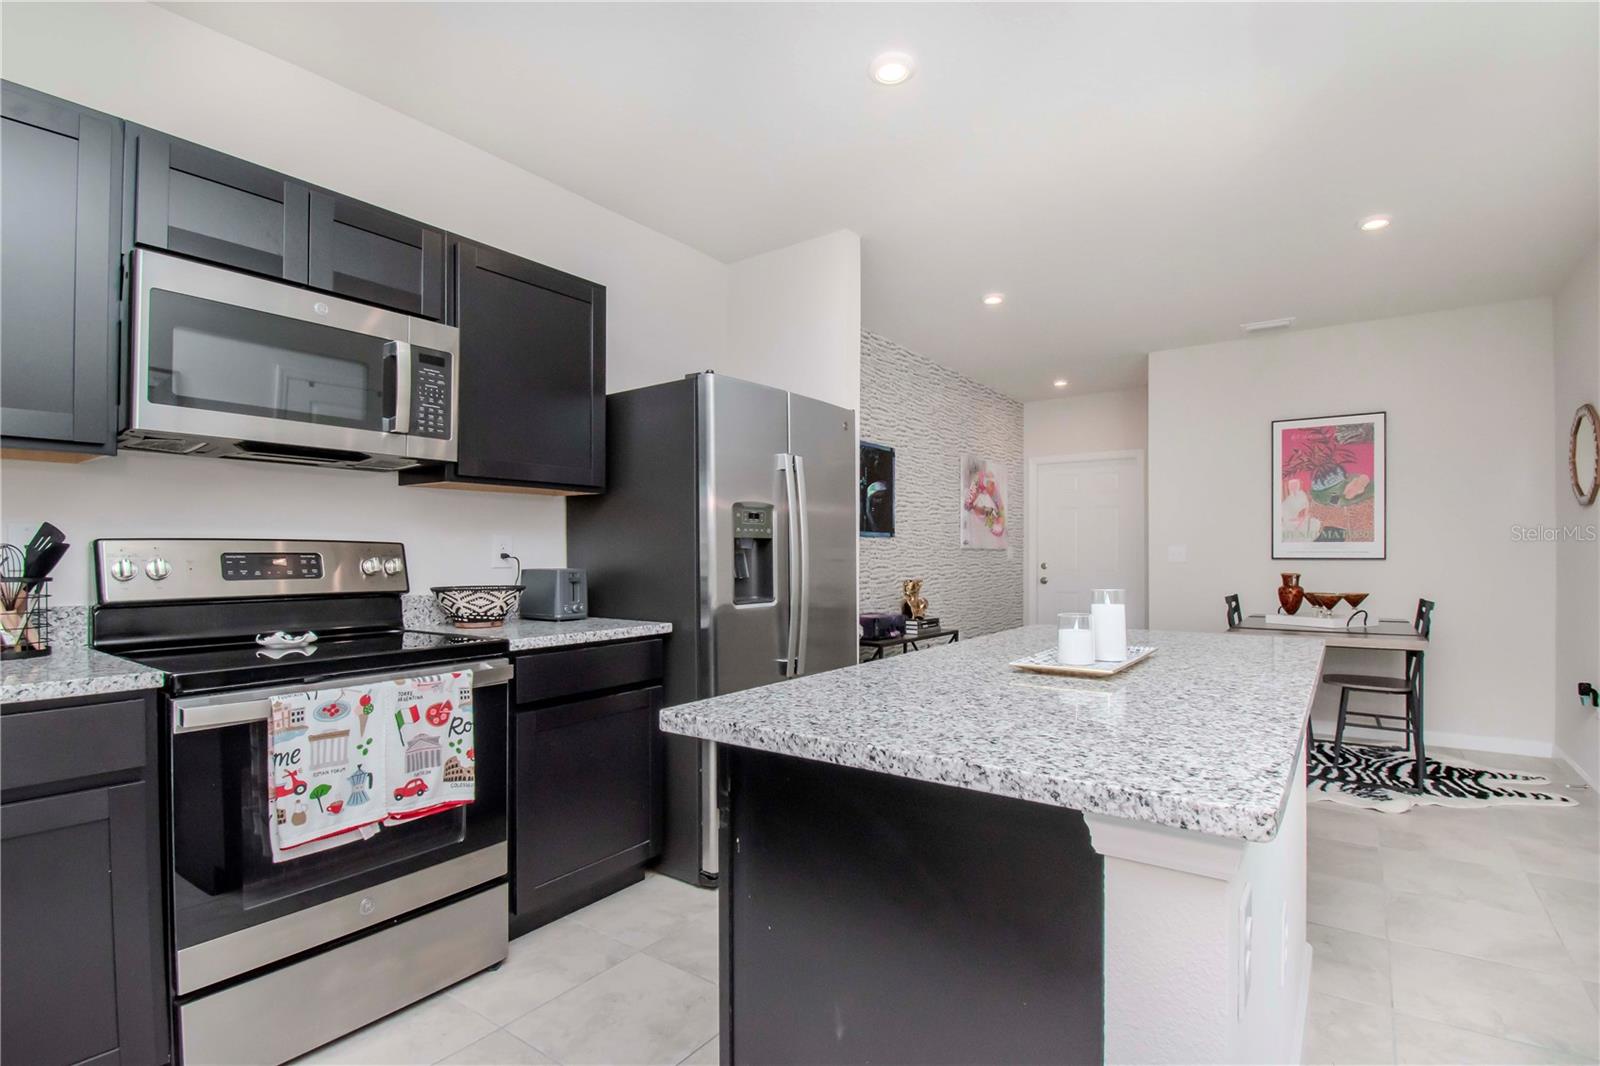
{"x": 397, "y": 387}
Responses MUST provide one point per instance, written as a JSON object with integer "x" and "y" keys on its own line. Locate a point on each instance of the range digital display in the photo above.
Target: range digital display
{"x": 270, "y": 566}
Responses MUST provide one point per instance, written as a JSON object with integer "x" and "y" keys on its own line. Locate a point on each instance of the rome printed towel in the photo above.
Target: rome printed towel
{"x": 325, "y": 767}
{"x": 431, "y": 762}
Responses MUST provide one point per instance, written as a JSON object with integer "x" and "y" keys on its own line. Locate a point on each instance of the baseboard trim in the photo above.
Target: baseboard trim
{"x": 1572, "y": 764}
{"x": 1543, "y": 749}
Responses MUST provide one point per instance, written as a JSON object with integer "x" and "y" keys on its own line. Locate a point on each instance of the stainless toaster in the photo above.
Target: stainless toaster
{"x": 555, "y": 595}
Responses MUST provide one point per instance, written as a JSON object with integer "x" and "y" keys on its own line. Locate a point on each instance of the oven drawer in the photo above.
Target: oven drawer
{"x": 553, "y": 674}
{"x": 332, "y": 993}
{"x": 69, "y": 743}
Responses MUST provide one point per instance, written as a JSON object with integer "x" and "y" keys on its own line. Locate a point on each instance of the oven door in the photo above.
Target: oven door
{"x": 234, "y": 910}
{"x": 223, "y": 356}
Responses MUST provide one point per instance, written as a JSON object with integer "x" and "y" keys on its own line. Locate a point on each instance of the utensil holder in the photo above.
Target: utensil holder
{"x": 30, "y": 626}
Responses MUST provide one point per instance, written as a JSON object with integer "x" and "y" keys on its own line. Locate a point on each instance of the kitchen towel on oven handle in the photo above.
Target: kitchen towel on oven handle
{"x": 432, "y": 763}
{"x": 326, "y": 767}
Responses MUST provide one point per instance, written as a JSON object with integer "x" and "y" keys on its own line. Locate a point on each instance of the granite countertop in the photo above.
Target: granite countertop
{"x": 1204, "y": 735}
{"x": 72, "y": 670}
{"x": 525, "y": 634}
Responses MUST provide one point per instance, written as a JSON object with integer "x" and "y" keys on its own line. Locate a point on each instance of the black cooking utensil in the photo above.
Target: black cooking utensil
{"x": 39, "y": 565}
{"x": 44, "y": 537}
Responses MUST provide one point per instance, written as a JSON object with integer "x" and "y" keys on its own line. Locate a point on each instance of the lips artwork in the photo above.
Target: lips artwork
{"x": 983, "y": 504}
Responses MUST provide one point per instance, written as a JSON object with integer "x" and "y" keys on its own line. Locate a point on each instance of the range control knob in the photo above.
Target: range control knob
{"x": 124, "y": 569}
{"x": 371, "y": 565}
{"x": 393, "y": 565}
{"x": 157, "y": 568}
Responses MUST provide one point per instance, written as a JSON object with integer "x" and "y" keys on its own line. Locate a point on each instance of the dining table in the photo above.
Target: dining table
{"x": 1385, "y": 634}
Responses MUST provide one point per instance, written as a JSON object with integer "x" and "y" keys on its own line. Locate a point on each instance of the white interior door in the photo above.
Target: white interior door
{"x": 1088, "y": 533}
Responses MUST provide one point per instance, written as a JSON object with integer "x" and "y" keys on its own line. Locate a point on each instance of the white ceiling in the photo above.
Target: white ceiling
{"x": 1132, "y": 177}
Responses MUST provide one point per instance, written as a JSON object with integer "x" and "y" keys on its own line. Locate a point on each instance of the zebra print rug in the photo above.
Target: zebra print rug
{"x": 1381, "y": 779}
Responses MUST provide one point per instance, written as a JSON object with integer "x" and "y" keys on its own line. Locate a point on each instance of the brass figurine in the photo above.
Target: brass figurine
{"x": 914, "y": 604}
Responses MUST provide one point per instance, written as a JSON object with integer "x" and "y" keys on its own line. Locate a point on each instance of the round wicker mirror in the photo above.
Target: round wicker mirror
{"x": 1583, "y": 454}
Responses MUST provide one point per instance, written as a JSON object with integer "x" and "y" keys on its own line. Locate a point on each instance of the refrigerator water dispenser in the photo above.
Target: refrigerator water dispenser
{"x": 752, "y": 553}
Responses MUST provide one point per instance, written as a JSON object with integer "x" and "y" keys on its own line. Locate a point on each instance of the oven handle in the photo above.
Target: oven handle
{"x": 242, "y": 708}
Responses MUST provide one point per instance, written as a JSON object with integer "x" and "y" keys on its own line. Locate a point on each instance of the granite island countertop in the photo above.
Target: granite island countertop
{"x": 1204, "y": 735}
{"x": 72, "y": 670}
{"x": 526, "y": 634}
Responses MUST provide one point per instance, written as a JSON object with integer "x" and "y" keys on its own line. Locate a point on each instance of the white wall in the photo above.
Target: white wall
{"x": 1094, "y": 422}
{"x": 794, "y": 318}
{"x": 1468, "y": 398}
{"x": 668, "y": 306}
{"x": 1577, "y": 380}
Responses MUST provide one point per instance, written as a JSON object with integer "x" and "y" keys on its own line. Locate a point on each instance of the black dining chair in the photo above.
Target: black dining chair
{"x": 1389, "y": 686}
{"x": 1235, "y": 614}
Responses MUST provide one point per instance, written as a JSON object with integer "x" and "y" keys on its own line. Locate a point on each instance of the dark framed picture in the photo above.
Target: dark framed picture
{"x": 1330, "y": 493}
{"x": 877, "y": 490}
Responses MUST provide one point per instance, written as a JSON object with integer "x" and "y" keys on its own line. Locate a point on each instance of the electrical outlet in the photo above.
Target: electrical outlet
{"x": 1177, "y": 553}
{"x": 500, "y": 543}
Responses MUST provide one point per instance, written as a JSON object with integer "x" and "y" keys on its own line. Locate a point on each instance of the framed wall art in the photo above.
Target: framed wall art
{"x": 983, "y": 503}
{"x": 1330, "y": 487}
{"x": 877, "y": 490}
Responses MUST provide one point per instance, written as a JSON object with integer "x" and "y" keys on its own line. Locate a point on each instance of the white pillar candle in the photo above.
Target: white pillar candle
{"x": 1075, "y": 647}
{"x": 1109, "y": 622}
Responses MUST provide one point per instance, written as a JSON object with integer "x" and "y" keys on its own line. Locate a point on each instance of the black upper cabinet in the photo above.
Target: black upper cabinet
{"x": 199, "y": 202}
{"x": 58, "y": 298}
{"x": 533, "y": 372}
{"x": 369, "y": 254}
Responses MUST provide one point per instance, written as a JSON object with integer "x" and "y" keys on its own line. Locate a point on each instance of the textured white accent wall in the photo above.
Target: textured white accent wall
{"x": 930, "y": 415}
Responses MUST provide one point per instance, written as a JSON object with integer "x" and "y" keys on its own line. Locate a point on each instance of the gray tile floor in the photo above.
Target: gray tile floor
{"x": 630, "y": 979}
{"x": 1450, "y": 935}
{"x": 1441, "y": 936}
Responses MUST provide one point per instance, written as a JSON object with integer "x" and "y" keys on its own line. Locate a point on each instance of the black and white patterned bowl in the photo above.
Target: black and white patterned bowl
{"x": 477, "y": 606}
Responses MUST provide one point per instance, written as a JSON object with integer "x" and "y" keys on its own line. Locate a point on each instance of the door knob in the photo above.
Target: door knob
{"x": 1044, "y": 566}
{"x": 1044, "y": 581}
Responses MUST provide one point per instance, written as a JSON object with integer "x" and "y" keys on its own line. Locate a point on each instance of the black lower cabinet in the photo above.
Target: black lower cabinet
{"x": 84, "y": 976}
{"x": 586, "y": 781}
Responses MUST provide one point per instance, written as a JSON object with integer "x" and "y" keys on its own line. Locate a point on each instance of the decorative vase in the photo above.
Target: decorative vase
{"x": 1290, "y": 594}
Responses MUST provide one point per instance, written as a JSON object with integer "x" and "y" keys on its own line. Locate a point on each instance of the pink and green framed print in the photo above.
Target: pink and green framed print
{"x": 1330, "y": 487}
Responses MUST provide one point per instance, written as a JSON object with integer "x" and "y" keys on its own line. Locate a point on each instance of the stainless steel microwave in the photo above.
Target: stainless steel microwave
{"x": 242, "y": 367}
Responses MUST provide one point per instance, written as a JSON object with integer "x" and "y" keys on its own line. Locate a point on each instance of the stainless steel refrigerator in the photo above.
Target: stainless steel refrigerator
{"x": 730, "y": 511}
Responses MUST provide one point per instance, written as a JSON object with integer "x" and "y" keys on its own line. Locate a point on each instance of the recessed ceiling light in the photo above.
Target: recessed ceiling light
{"x": 892, "y": 68}
{"x": 1374, "y": 223}
{"x": 994, "y": 299}
{"x": 1060, "y": 383}
{"x": 1267, "y": 323}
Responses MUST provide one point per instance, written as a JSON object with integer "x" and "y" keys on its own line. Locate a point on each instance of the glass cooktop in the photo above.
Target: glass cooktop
{"x": 245, "y": 664}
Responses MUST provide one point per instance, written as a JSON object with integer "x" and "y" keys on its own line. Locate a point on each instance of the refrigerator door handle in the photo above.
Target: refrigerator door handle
{"x": 786, "y": 464}
{"x": 800, "y": 608}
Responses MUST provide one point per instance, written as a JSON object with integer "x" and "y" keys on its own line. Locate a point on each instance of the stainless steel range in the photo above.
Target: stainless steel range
{"x": 271, "y": 959}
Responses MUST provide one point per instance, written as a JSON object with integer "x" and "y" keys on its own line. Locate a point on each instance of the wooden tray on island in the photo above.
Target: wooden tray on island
{"x": 1045, "y": 663}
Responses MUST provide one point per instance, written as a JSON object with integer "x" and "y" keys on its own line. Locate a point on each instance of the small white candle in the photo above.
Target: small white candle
{"x": 1110, "y": 624}
{"x": 1076, "y": 647}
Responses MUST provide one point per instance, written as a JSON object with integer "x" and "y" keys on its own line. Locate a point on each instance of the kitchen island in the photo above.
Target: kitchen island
{"x": 938, "y": 858}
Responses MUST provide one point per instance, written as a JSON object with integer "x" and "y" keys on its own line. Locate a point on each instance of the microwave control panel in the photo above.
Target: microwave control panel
{"x": 431, "y": 402}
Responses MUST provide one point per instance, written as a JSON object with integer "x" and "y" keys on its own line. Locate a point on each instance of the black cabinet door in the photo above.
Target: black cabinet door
{"x": 82, "y": 981}
{"x": 533, "y": 371}
{"x": 58, "y": 270}
{"x": 585, "y": 787}
{"x": 366, "y": 253}
{"x": 199, "y": 202}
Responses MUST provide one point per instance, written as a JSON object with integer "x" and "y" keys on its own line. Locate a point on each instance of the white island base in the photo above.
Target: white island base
{"x": 1206, "y": 957}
